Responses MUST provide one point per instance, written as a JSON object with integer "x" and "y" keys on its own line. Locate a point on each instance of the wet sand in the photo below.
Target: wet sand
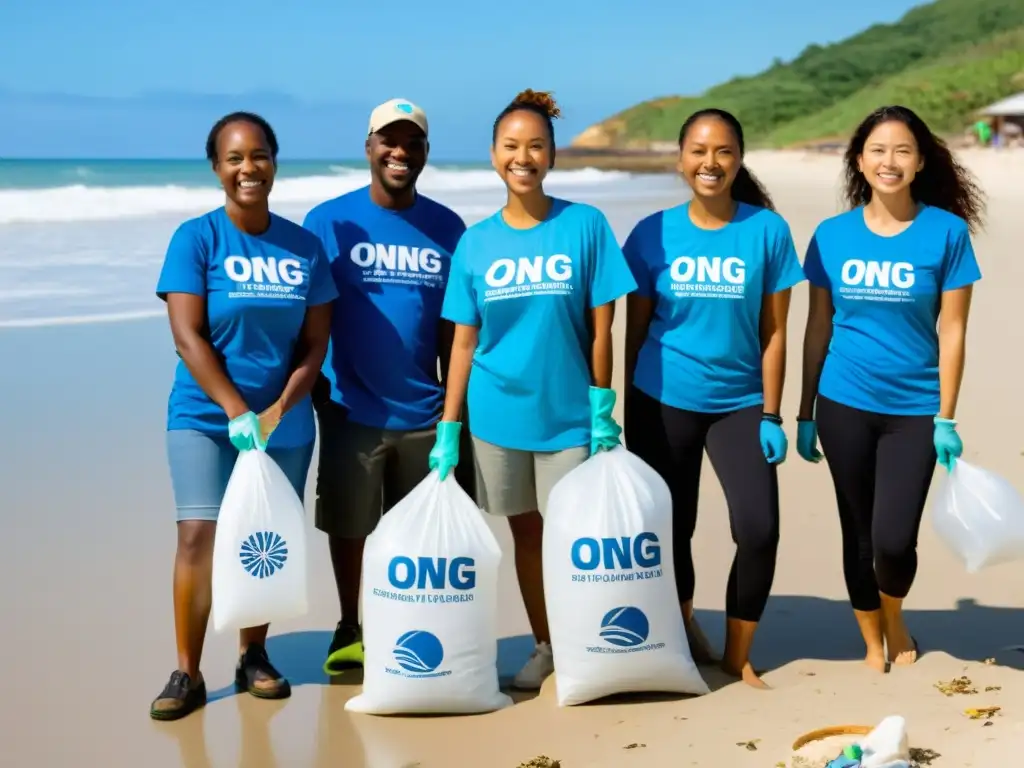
{"x": 88, "y": 631}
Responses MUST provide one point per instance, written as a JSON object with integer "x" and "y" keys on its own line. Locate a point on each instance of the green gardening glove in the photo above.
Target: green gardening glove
{"x": 245, "y": 433}
{"x": 604, "y": 432}
{"x": 444, "y": 456}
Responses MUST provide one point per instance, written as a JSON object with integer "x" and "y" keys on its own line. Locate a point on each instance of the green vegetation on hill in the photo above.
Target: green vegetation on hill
{"x": 944, "y": 93}
{"x": 946, "y": 59}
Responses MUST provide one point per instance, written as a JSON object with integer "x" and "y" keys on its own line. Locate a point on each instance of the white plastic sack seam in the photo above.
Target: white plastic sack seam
{"x": 609, "y": 582}
{"x": 430, "y": 607}
{"x": 259, "y": 549}
{"x": 979, "y": 516}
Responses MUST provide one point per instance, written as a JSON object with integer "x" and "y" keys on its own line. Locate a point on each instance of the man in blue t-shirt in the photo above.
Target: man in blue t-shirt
{"x": 390, "y": 252}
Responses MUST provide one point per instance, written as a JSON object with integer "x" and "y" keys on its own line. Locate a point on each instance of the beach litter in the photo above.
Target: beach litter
{"x": 957, "y": 686}
{"x": 885, "y": 746}
{"x": 542, "y": 761}
{"x": 982, "y": 713}
{"x": 921, "y": 757}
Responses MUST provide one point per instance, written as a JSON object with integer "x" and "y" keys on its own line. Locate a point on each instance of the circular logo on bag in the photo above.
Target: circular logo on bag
{"x": 263, "y": 554}
{"x": 419, "y": 651}
{"x": 625, "y": 627}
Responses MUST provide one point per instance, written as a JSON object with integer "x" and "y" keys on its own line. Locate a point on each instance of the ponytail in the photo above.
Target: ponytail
{"x": 747, "y": 189}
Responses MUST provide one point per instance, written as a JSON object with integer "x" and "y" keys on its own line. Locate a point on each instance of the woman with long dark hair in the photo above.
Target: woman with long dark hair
{"x": 884, "y": 380}
{"x": 705, "y": 364}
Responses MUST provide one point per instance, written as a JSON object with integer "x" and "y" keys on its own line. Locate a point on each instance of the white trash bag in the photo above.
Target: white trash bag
{"x": 609, "y": 583}
{"x": 430, "y": 607}
{"x": 979, "y": 516}
{"x": 259, "y": 549}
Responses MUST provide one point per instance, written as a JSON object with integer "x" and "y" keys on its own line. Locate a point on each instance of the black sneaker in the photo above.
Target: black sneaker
{"x": 180, "y": 697}
{"x": 257, "y": 676}
{"x": 346, "y": 649}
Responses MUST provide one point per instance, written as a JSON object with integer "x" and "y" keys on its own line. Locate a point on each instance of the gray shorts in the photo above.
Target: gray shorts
{"x": 364, "y": 471}
{"x": 511, "y": 482}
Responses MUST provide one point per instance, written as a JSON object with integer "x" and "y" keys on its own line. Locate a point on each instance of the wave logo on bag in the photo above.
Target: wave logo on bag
{"x": 438, "y": 573}
{"x": 623, "y": 558}
{"x": 625, "y": 627}
{"x": 626, "y": 630}
{"x": 419, "y": 653}
{"x": 263, "y": 554}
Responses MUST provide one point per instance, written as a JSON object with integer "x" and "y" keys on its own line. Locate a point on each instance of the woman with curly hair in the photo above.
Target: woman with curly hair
{"x": 884, "y": 378}
{"x": 531, "y": 292}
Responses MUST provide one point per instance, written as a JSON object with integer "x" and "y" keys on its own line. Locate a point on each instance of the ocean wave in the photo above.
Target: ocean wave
{"x": 80, "y": 319}
{"x": 82, "y": 202}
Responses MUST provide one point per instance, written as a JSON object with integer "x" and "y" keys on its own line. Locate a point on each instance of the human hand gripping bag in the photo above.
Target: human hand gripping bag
{"x": 609, "y": 583}
{"x": 979, "y": 516}
{"x": 259, "y": 549}
{"x": 430, "y": 607}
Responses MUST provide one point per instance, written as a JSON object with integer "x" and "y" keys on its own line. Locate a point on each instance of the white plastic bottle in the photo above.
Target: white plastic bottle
{"x": 887, "y": 746}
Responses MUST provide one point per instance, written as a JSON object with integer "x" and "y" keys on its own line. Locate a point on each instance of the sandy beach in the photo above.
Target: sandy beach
{"x": 88, "y": 634}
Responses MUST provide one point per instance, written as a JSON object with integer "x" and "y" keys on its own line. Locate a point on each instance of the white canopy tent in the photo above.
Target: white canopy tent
{"x": 1011, "y": 106}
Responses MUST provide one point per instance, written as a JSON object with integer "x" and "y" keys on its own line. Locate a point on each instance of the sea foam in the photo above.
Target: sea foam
{"x": 82, "y": 202}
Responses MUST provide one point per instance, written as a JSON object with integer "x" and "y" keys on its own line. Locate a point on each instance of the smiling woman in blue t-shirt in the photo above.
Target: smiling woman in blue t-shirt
{"x": 248, "y": 295}
{"x": 885, "y": 380}
{"x": 532, "y": 292}
{"x": 706, "y": 360}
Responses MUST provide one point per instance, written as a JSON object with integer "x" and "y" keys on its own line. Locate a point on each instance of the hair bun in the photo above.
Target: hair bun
{"x": 542, "y": 99}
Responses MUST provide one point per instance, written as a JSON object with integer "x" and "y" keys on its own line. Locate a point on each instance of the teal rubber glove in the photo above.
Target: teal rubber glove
{"x": 604, "y": 432}
{"x": 444, "y": 456}
{"x": 948, "y": 445}
{"x": 774, "y": 442}
{"x": 245, "y": 432}
{"x": 807, "y": 441}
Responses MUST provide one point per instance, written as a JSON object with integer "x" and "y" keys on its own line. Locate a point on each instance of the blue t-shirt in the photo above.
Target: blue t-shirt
{"x": 886, "y": 291}
{"x": 257, "y": 288}
{"x": 530, "y": 292}
{"x": 391, "y": 268}
{"x": 703, "y": 347}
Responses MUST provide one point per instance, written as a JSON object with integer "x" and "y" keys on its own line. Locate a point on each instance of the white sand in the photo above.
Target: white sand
{"x": 88, "y": 632}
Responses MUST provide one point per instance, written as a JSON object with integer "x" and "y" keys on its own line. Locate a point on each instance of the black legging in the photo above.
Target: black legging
{"x": 881, "y": 467}
{"x": 672, "y": 442}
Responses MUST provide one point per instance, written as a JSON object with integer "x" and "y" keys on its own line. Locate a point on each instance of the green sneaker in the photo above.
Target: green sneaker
{"x": 346, "y": 651}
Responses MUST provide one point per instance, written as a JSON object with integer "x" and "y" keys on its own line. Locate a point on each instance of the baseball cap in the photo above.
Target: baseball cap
{"x": 393, "y": 111}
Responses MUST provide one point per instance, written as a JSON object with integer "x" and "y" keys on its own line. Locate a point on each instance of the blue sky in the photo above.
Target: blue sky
{"x": 123, "y": 78}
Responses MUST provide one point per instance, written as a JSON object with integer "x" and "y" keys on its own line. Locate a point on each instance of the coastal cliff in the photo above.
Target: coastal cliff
{"x": 946, "y": 60}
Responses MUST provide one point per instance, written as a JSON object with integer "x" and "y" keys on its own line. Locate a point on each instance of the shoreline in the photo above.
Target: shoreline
{"x": 650, "y": 161}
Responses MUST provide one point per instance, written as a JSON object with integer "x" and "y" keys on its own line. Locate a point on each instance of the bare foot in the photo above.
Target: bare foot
{"x": 901, "y": 644}
{"x": 876, "y": 660}
{"x": 700, "y": 648}
{"x": 904, "y": 658}
{"x": 747, "y": 674}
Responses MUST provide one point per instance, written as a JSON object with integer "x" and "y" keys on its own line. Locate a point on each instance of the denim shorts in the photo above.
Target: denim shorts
{"x": 201, "y": 466}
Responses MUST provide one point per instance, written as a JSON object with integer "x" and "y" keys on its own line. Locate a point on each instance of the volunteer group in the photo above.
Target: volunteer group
{"x": 419, "y": 344}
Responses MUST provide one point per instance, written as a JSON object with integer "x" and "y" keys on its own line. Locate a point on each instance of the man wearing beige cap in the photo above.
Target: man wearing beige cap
{"x": 380, "y": 396}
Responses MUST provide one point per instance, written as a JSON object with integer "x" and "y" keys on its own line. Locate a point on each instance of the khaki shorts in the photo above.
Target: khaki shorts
{"x": 511, "y": 482}
{"x": 364, "y": 471}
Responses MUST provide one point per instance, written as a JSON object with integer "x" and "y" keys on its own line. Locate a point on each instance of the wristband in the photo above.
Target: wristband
{"x": 773, "y": 418}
